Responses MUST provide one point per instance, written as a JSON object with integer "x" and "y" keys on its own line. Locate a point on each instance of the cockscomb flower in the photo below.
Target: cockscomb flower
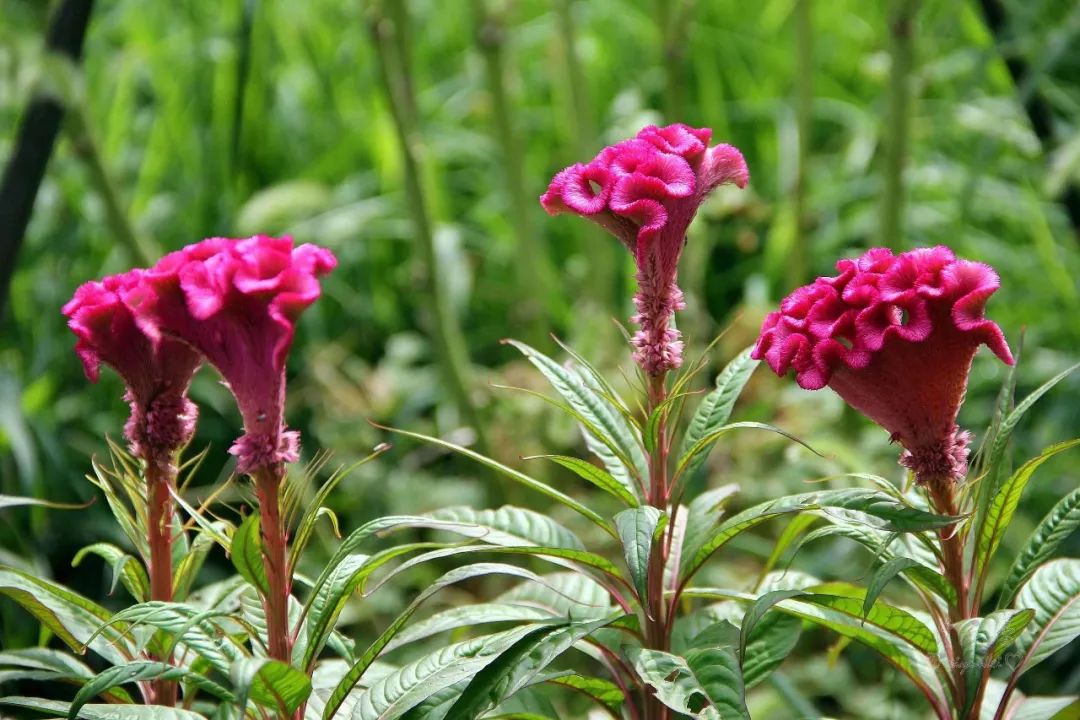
{"x": 645, "y": 191}
{"x": 156, "y": 370}
{"x": 236, "y": 302}
{"x": 894, "y": 336}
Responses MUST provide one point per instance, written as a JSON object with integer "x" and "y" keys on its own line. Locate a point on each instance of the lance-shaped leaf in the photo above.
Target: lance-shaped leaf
{"x": 70, "y": 616}
{"x": 511, "y": 525}
{"x": 516, "y": 476}
{"x": 519, "y": 667}
{"x": 1059, "y": 523}
{"x": 245, "y": 550}
{"x": 600, "y": 417}
{"x": 140, "y": 671}
{"x": 893, "y": 648}
{"x": 715, "y": 408}
{"x": 896, "y": 515}
{"x": 56, "y": 708}
{"x": 638, "y": 529}
{"x": 1053, "y": 592}
{"x": 125, "y": 568}
{"x": 271, "y": 684}
{"x": 999, "y": 512}
{"x": 983, "y": 641}
{"x": 624, "y": 490}
{"x": 706, "y": 684}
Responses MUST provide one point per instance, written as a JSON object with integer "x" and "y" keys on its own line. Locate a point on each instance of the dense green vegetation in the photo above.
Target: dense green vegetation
{"x": 191, "y": 120}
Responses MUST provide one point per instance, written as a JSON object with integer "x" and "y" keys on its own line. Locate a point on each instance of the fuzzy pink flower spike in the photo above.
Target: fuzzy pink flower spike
{"x": 156, "y": 370}
{"x": 646, "y": 191}
{"x": 894, "y": 336}
{"x": 236, "y": 302}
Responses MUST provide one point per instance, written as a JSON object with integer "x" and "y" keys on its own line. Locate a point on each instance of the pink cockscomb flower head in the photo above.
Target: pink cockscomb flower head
{"x": 156, "y": 370}
{"x": 237, "y": 302}
{"x": 645, "y": 191}
{"x": 894, "y": 336}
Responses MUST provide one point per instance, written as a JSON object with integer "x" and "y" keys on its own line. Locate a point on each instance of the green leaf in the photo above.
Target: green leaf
{"x": 638, "y": 529}
{"x": 245, "y": 550}
{"x": 625, "y": 492}
{"x": 469, "y": 616}
{"x": 1005, "y": 429}
{"x": 270, "y": 683}
{"x": 893, "y": 648}
{"x": 70, "y": 616}
{"x": 792, "y": 532}
{"x": 886, "y": 545}
{"x": 757, "y": 610}
{"x": 519, "y": 666}
{"x": 702, "y": 517}
{"x": 851, "y": 600}
{"x": 1053, "y": 592}
{"x": 897, "y": 516}
{"x": 882, "y": 576}
{"x": 691, "y": 457}
{"x": 602, "y": 691}
{"x": 999, "y": 512}
{"x": 8, "y": 501}
{"x": 982, "y": 643}
{"x": 1058, "y": 524}
{"x": 715, "y": 409}
{"x": 511, "y": 525}
{"x": 306, "y": 526}
{"x": 125, "y": 568}
{"x": 705, "y": 684}
{"x": 103, "y": 712}
{"x": 393, "y": 695}
{"x": 770, "y": 642}
{"x": 517, "y": 477}
{"x": 188, "y": 567}
{"x": 350, "y": 678}
{"x": 601, "y": 418}
{"x": 186, "y": 625}
{"x": 140, "y": 671}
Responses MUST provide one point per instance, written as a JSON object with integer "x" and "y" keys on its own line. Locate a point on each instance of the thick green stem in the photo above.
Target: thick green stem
{"x": 445, "y": 329}
{"x": 160, "y": 476}
{"x": 901, "y": 52}
{"x": 804, "y": 109}
{"x": 657, "y": 627}
{"x": 535, "y": 274}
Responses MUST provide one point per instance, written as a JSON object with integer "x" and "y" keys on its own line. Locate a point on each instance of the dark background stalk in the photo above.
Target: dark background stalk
{"x": 898, "y": 117}
{"x": 386, "y": 35}
{"x": 34, "y": 145}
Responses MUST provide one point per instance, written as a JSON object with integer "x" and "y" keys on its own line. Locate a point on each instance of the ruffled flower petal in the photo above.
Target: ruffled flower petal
{"x": 645, "y": 191}
{"x": 237, "y": 302}
{"x": 157, "y": 371}
{"x": 894, "y": 336}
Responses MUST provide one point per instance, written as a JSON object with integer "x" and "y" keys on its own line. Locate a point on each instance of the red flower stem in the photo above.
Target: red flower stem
{"x": 275, "y": 540}
{"x": 160, "y": 475}
{"x": 657, "y": 629}
{"x": 942, "y": 491}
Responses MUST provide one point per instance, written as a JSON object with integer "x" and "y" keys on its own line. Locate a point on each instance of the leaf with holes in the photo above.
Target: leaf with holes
{"x": 705, "y": 684}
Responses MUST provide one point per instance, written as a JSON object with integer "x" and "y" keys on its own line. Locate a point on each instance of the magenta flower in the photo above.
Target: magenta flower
{"x": 236, "y": 302}
{"x": 156, "y": 370}
{"x": 646, "y": 191}
{"x": 894, "y": 336}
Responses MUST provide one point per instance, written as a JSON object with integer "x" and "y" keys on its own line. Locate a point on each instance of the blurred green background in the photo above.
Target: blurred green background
{"x": 244, "y": 116}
